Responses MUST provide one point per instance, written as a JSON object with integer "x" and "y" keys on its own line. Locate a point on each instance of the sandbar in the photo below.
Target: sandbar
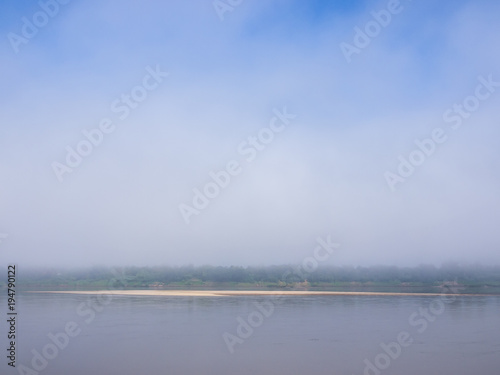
{"x": 229, "y": 293}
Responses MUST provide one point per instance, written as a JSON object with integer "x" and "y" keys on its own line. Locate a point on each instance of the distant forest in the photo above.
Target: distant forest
{"x": 284, "y": 276}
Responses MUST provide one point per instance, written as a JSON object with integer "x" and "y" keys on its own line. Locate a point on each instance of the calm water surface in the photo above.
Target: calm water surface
{"x": 303, "y": 335}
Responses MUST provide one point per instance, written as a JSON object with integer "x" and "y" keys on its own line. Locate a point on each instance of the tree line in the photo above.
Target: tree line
{"x": 281, "y": 275}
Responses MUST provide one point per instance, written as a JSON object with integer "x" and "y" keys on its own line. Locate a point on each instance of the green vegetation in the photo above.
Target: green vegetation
{"x": 378, "y": 278}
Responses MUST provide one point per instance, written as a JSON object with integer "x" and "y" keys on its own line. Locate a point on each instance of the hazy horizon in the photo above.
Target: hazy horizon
{"x": 73, "y": 267}
{"x": 116, "y": 119}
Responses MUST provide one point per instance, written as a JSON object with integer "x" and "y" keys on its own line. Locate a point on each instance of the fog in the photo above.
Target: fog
{"x": 116, "y": 116}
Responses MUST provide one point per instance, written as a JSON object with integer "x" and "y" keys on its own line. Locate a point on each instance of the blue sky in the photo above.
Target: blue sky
{"x": 324, "y": 174}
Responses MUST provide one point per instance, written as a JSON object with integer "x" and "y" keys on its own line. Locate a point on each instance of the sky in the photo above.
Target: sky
{"x": 239, "y": 132}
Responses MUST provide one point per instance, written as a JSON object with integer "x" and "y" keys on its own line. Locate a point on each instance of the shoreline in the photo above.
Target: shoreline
{"x": 233, "y": 293}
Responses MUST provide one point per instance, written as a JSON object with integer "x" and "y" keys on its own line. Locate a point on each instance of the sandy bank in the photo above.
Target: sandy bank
{"x": 226, "y": 293}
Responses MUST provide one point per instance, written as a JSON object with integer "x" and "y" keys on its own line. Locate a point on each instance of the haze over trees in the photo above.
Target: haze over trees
{"x": 262, "y": 276}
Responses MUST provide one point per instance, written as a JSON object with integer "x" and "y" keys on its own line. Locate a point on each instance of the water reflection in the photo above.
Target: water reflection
{"x": 304, "y": 334}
